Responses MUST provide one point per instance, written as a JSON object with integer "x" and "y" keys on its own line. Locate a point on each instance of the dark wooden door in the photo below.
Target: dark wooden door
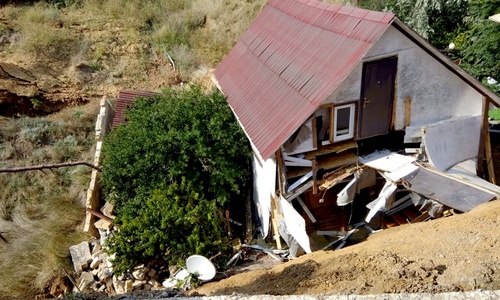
{"x": 377, "y": 94}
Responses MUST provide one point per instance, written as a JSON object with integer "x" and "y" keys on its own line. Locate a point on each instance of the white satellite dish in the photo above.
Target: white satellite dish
{"x": 202, "y": 266}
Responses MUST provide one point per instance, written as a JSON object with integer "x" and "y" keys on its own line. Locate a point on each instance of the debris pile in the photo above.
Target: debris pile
{"x": 95, "y": 269}
{"x": 94, "y": 266}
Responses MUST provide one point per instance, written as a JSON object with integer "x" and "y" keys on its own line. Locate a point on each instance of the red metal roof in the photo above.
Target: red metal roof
{"x": 290, "y": 59}
{"x": 125, "y": 99}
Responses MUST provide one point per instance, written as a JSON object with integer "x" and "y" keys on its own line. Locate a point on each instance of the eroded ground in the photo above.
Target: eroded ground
{"x": 456, "y": 253}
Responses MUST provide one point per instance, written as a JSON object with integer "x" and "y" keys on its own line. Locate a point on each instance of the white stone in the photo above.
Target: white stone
{"x": 80, "y": 255}
{"x": 152, "y": 273}
{"x": 95, "y": 262}
{"x": 86, "y": 279}
{"x": 154, "y": 283}
{"x": 137, "y": 285}
{"x": 140, "y": 272}
{"x": 129, "y": 285}
{"x": 103, "y": 224}
{"x": 107, "y": 210}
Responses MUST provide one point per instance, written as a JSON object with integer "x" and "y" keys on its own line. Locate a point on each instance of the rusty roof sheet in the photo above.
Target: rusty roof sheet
{"x": 125, "y": 99}
{"x": 290, "y": 59}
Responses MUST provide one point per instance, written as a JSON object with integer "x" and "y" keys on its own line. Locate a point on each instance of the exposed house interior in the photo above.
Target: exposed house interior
{"x": 356, "y": 123}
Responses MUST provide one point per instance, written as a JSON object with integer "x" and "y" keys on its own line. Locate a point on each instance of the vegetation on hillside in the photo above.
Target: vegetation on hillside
{"x": 136, "y": 44}
{"x": 170, "y": 171}
{"x": 41, "y": 213}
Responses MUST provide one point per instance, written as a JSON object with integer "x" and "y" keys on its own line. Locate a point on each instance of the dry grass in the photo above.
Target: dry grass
{"x": 126, "y": 42}
{"x": 41, "y": 212}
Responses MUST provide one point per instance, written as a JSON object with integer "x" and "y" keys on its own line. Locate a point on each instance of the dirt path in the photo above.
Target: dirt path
{"x": 458, "y": 253}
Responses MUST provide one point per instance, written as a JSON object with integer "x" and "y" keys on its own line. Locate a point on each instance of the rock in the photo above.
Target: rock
{"x": 138, "y": 284}
{"x": 95, "y": 262}
{"x": 104, "y": 273}
{"x": 107, "y": 210}
{"x": 129, "y": 285}
{"x": 96, "y": 247}
{"x": 139, "y": 272}
{"x": 103, "y": 224}
{"x": 80, "y": 255}
{"x": 152, "y": 273}
{"x": 86, "y": 279}
{"x": 118, "y": 285}
{"x": 153, "y": 282}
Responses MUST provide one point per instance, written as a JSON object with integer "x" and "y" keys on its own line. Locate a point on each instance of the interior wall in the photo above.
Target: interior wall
{"x": 436, "y": 93}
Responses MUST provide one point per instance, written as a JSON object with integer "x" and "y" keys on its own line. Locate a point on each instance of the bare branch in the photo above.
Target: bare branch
{"x": 49, "y": 166}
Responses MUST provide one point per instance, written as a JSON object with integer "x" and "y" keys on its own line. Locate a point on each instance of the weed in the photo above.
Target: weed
{"x": 3, "y": 28}
{"x": 36, "y": 102}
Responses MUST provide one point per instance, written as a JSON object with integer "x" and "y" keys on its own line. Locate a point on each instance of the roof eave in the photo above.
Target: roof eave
{"x": 476, "y": 84}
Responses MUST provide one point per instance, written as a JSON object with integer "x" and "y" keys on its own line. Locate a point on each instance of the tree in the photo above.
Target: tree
{"x": 436, "y": 20}
{"x": 479, "y": 42}
{"x": 170, "y": 171}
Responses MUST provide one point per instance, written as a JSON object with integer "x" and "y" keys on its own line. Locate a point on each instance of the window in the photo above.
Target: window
{"x": 343, "y": 122}
{"x": 323, "y": 124}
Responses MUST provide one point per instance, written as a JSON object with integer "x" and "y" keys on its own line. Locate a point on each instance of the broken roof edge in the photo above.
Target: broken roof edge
{"x": 434, "y": 52}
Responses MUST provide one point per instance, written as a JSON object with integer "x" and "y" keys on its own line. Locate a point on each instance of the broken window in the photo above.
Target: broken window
{"x": 343, "y": 118}
{"x": 324, "y": 124}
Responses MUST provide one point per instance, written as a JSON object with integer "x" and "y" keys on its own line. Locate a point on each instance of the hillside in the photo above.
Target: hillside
{"x": 58, "y": 60}
{"x": 457, "y": 253}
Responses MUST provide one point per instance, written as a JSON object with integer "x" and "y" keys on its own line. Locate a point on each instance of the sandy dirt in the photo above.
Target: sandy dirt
{"x": 456, "y": 253}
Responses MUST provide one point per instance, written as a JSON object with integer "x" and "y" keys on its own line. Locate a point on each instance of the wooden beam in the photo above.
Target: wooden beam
{"x": 327, "y": 163}
{"x": 281, "y": 173}
{"x": 314, "y": 171}
{"x": 332, "y": 148}
{"x": 487, "y": 147}
{"x": 274, "y": 222}
{"x": 407, "y": 111}
{"x": 306, "y": 210}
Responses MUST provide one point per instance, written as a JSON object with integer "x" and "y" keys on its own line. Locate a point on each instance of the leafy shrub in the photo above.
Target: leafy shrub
{"x": 169, "y": 171}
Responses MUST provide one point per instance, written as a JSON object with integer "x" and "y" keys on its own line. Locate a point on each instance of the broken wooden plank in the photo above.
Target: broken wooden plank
{"x": 331, "y": 180}
{"x": 314, "y": 171}
{"x": 332, "y": 148}
{"x": 421, "y": 218}
{"x": 327, "y": 163}
{"x": 487, "y": 144}
{"x": 292, "y": 161}
{"x": 274, "y": 222}
{"x": 281, "y": 172}
{"x": 299, "y": 182}
{"x": 306, "y": 210}
{"x": 299, "y": 191}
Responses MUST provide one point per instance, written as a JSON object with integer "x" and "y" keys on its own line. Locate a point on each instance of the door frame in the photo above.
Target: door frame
{"x": 362, "y": 94}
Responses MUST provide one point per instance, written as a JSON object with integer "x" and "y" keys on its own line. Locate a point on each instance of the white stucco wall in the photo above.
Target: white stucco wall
{"x": 436, "y": 93}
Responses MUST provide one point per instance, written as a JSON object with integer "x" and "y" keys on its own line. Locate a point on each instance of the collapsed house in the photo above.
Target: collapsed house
{"x": 355, "y": 121}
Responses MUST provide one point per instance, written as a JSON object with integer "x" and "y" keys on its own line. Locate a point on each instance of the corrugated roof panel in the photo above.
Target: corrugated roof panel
{"x": 376, "y": 16}
{"x": 291, "y": 58}
{"x": 334, "y": 7}
{"x": 366, "y": 31}
{"x": 359, "y": 13}
{"x": 347, "y": 10}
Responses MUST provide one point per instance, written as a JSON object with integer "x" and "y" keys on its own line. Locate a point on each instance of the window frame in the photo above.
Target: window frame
{"x": 350, "y": 133}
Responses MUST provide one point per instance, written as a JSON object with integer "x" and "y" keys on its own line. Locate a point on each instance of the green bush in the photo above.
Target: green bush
{"x": 169, "y": 172}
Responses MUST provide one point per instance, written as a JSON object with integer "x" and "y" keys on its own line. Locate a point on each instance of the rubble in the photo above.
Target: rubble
{"x": 80, "y": 255}
{"x": 94, "y": 269}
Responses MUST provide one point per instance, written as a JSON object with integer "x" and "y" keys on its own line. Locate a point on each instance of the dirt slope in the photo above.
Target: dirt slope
{"x": 457, "y": 253}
